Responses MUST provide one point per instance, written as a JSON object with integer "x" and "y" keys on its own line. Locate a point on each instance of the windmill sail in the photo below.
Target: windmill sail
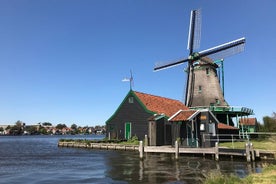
{"x": 169, "y": 65}
{"x": 224, "y": 50}
{"x": 194, "y": 31}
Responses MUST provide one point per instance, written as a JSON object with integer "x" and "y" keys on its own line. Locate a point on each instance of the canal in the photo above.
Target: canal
{"x": 38, "y": 159}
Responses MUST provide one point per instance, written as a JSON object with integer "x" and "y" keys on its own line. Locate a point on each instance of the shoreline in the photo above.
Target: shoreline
{"x": 215, "y": 152}
{"x": 106, "y": 146}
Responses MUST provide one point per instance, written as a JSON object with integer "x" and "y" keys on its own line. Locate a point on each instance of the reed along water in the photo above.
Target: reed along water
{"x": 38, "y": 159}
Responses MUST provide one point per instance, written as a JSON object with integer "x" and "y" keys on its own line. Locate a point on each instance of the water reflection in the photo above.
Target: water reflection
{"x": 163, "y": 168}
{"x": 37, "y": 159}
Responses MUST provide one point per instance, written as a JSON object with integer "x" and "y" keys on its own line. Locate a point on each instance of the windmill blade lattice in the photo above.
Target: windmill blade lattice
{"x": 170, "y": 64}
{"x": 224, "y": 50}
{"x": 194, "y": 31}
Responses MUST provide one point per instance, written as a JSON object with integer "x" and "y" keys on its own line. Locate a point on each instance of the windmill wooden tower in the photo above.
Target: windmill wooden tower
{"x": 203, "y": 88}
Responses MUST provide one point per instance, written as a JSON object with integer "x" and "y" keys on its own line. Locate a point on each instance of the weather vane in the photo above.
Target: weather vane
{"x": 129, "y": 79}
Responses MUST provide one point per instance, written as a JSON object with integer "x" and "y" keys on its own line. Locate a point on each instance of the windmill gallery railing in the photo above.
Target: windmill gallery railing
{"x": 234, "y": 109}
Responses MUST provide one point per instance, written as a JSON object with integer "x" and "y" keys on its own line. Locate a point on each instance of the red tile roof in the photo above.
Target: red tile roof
{"x": 160, "y": 105}
{"x": 224, "y": 126}
{"x": 183, "y": 115}
{"x": 248, "y": 121}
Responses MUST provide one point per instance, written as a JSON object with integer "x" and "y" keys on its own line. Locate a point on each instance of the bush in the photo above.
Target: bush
{"x": 133, "y": 140}
{"x": 214, "y": 178}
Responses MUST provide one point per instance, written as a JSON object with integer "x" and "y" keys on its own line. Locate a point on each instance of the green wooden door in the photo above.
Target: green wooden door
{"x": 127, "y": 130}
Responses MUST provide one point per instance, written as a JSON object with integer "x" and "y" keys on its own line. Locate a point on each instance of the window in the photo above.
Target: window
{"x": 130, "y": 99}
{"x": 202, "y": 127}
{"x": 212, "y": 129}
{"x": 199, "y": 88}
{"x": 217, "y": 101}
{"x": 207, "y": 71}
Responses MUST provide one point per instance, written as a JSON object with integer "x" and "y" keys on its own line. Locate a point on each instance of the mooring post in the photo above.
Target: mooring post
{"x": 247, "y": 152}
{"x": 216, "y": 151}
{"x": 176, "y": 150}
{"x": 146, "y": 140}
{"x": 141, "y": 149}
{"x": 252, "y": 152}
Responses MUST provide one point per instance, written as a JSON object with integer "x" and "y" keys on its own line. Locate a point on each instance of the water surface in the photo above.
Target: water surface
{"x": 38, "y": 159}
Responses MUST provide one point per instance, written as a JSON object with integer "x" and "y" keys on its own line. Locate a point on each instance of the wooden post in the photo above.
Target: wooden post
{"x": 216, "y": 152}
{"x": 176, "y": 150}
{"x": 252, "y": 152}
{"x": 247, "y": 152}
{"x": 146, "y": 140}
{"x": 141, "y": 149}
{"x": 232, "y": 141}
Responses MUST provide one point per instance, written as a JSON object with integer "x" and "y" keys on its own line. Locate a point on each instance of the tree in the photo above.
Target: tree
{"x": 74, "y": 126}
{"x": 8, "y": 127}
{"x": 47, "y": 124}
{"x": 43, "y": 131}
{"x": 260, "y": 127}
{"x": 270, "y": 123}
{"x": 17, "y": 129}
{"x": 274, "y": 115}
{"x": 19, "y": 123}
{"x": 32, "y": 130}
{"x": 60, "y": 126}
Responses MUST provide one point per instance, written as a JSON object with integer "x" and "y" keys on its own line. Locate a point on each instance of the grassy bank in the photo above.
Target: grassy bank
{"x": 268, "y": 176}
{"x": 133, "y": 141}
{"x": 263, "y": 144}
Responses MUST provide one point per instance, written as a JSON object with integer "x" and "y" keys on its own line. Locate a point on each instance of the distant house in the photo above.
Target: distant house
{"x": 248, "y": 125}
{"x": 164, "y": 120}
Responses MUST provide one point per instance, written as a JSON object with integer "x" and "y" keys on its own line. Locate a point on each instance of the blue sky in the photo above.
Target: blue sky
{"x": 63, "y": 61}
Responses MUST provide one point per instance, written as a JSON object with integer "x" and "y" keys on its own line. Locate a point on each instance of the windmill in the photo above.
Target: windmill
{"x": 203, "y": 85}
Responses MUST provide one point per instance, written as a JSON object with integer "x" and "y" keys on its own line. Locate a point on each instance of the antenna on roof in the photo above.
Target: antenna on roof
{"x": 129, "y": 79}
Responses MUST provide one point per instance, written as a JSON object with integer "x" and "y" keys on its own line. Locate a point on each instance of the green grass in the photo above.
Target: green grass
{"x": 133, "y": 141}
{"x": 215, "y": 178}
{"x": 268, "y": 176}
{"x": 264, "y": 144}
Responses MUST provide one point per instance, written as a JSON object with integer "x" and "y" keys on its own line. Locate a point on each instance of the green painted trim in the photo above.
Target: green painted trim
{"x": 130, "y": 93}
{"x": 119, "y": 107}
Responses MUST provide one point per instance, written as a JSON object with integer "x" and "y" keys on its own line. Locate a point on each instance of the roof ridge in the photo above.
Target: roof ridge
{"x": 158, "y": 96}
{"x": 159, "y": 104}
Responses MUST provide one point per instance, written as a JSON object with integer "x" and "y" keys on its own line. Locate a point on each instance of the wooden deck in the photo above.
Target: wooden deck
{"x": 215, "y": 152}
{"x": 199, "y": 151}
{"x": 251, "y": 155}
{"x": 170, "y": 149}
